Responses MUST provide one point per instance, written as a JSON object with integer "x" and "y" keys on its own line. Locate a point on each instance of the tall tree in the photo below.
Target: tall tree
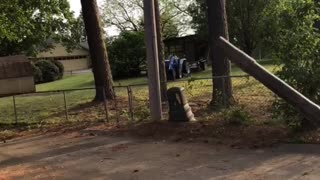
{"x": 127, "y": 15}
{"x": 100, "y": 63}
{"x": 246, "y": 20}
{"x": 162, "y": 67}
{"x": 79, "y": 29}
{"x": 25, "y": 26}
{"x": 217, "y": 22}
{"x": 198, "y": 11}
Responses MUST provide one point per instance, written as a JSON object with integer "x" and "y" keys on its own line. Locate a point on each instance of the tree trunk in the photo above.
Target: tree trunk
{"x": 100, "y": 63}
{"x": 309, "y": 109}
{"x": 162, "y": 67}
{"x": 217, "y": 23}
{"x": 153, "y": 62}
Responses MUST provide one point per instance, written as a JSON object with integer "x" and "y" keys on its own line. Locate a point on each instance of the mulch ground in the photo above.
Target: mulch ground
{"x": 219, "y": 132}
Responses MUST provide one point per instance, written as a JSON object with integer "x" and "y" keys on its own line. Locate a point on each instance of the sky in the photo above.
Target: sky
{"x": 76, "y": 7}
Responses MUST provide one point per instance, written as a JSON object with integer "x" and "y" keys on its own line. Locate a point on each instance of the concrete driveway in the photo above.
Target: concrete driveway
{"x": 85, "y": 156}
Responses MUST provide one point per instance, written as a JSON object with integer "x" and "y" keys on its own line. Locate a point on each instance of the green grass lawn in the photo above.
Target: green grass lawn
{"x": 49, "y": 108}
{"x": 87, "y": 81}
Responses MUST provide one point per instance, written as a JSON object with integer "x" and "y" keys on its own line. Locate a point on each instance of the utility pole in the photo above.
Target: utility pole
{"x": 309, "y": 109}
{"x": 152, "y": 60}
{"x": 162, "y": 66}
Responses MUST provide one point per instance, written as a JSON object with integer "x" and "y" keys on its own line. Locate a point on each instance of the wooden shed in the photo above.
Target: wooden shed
{"x": 191, "y": 47}
{"x": 16, "y": 76}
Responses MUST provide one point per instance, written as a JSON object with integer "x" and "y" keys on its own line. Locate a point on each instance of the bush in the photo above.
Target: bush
{"x": 49, "y": 71}
{"x": 60, "y": 67}
{"x": 237, "y": 116}
{"x": 36, "y": 73}
{"x": 127, "y": 54}
{"x": 297, "y": 50}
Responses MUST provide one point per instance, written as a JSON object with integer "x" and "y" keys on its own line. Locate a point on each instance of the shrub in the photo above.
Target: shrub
{"x": 297, "y": 50}
{"x": 60, "y": 67}
{"x": 237, "y": 116}
{"x": 50, "y": 72}
{"x": 127, "y": 54}
{"x": 37, "y": 74}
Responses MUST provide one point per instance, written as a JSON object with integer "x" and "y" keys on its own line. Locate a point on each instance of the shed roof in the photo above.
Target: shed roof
{"x": 15, "y": 67}
{"x": 188, "y": 37}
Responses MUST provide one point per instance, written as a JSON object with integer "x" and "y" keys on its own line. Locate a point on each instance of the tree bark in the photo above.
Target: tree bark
{"x": 100, "y": 63}
{"x": 162, "y": 67}
{"x": 217, "y": 23}
{"x": 309, "y": 109}
{"x": 153, "y": 62}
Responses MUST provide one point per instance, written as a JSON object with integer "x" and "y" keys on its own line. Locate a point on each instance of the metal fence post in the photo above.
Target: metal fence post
{"x": 65, "y": 105}
{"x": 105, "y": 103}
{"x": 116, "y": 106}
{"x": 15, "y": 109}
{"x": 130, "y": 98}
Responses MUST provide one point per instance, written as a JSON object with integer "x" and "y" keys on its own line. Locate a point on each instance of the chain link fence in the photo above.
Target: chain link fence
{"x": 130, "y": 105}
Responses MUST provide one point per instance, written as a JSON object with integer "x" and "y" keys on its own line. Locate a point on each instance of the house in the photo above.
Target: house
{"x": 16, "y": 76}
{"x": 191, "y": 47}
{"x": 77, "y": 59}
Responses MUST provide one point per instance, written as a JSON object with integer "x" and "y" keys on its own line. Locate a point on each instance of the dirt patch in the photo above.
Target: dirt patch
{"x": 217, "y": 132}
{"x": 8, "y": 134}
{"x": 71, "y": 128}
{"x": 42, "y": 172}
